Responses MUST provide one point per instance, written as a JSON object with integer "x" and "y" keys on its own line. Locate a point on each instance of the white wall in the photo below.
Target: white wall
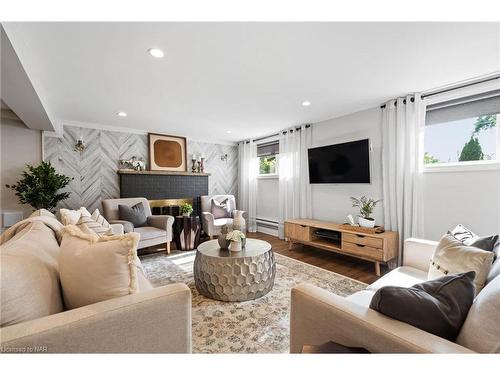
{"x": 267, "y": 198}
{"x": 471, "y": 198}
{"x": 331, "y": 201}
{"x": 19, "y": 146}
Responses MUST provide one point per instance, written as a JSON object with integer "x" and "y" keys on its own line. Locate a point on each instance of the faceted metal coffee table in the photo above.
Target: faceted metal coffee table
{"x": 234, "y": 276}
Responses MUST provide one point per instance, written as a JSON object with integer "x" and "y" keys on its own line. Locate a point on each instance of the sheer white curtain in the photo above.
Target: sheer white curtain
{"x": 403, "y": 122}
{"x": 294, "y": 187}
{"x": 247, "y": 182}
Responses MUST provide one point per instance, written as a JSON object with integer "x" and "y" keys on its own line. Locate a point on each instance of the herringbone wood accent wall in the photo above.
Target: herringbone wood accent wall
{"x": 94, "y": 170}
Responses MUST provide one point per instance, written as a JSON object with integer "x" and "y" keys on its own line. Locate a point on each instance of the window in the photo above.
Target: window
{"x": 268, "y": 158}
{"x": 463, "y": 130}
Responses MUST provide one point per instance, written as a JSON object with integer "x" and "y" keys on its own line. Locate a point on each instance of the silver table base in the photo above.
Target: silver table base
{"x": 234, "y": 276}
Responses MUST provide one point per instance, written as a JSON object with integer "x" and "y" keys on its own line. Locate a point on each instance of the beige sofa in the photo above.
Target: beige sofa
{"x": 34, "y": 319}
{"x": 318, "y": 316}
{"x": 158, "y": 231}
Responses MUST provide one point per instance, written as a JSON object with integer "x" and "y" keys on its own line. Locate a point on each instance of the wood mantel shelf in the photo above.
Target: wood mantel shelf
{"x": 162, "y": 173}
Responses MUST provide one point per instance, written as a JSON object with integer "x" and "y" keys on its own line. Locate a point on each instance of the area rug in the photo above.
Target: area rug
{"x": 258, "y": 326}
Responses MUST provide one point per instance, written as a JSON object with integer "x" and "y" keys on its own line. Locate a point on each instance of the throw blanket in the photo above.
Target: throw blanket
{"x": 52, "y": 223}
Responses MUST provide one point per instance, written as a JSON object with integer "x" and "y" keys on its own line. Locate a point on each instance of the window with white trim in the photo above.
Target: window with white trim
{"x": 463, "y": 131}
{"x": 268, "y": 158}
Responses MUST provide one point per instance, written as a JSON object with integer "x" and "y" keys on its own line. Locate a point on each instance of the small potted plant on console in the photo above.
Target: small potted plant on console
{"x": 366, "y": 206}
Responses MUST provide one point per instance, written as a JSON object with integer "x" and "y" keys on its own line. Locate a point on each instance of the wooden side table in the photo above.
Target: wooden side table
{"x": 187, "y": 230}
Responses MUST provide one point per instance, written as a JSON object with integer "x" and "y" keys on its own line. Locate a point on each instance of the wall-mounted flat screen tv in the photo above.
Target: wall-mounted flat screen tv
{"x": 340, "y": 163}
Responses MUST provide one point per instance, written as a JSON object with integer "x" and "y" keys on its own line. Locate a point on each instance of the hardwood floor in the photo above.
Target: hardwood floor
{"x": 344, "y": 265}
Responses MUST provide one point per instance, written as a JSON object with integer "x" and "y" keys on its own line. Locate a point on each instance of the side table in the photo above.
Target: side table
{"x": 187, "y": 230}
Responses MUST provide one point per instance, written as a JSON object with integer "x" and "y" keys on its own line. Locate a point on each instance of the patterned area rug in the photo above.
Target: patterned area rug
{"x": 258, "y": 326}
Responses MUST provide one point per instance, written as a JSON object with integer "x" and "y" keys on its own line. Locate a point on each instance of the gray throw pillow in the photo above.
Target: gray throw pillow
{"x": 221, "y": 209}
{"x": 135, "y": 214}
{"x": 490, "y": 243}
{"x": 437, "y": 306}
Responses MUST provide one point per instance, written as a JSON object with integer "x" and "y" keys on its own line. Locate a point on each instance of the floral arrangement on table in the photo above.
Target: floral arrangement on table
{"x": 186, "y": 209}
{"x": 236, "y": 237}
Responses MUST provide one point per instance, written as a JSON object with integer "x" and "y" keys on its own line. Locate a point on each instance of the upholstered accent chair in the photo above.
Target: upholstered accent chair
{"x": 211, "y": 225}
{"x": 159, "y": 227}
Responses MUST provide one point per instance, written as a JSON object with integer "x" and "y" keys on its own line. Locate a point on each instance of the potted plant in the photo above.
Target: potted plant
{"x": 39, "y": 187}
{"x": 236, "y": 237}
{"x": 366, "y": 206}
{"x": 186, "y": 209}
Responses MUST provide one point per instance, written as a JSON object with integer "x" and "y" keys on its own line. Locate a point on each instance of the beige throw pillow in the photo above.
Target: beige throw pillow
{"x": 94, "y": 269}
{"x": 96, "y": 216}
{"x": 87, "y": 220}
{"x": 70, "y": 217}
{"x": 43, "y": 212}
{"x": 452, "y": 256}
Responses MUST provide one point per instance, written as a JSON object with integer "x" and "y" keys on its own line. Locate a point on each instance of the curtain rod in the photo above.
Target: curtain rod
{"x": 451, "y": 89}
{"x": 396, "y": 102}
{"x": 276, "y": 134}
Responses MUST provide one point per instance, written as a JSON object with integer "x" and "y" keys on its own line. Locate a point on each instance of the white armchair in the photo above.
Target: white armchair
{"x": 211, "y": 225}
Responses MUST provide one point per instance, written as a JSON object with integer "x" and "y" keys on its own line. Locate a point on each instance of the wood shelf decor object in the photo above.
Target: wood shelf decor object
{"x": 164, "y": 173}
{"x": 356, "y": 228}
{"x": 373, "y": 247}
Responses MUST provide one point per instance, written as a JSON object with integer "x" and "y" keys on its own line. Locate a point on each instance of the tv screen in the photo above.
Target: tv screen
{"x": 341, "y": 163}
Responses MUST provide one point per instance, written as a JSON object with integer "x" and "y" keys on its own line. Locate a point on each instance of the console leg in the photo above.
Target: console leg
{"x": 377, "y": 268}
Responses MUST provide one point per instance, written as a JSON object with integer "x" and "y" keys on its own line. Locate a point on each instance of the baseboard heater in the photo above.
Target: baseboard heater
{"x": 267, "y": 223}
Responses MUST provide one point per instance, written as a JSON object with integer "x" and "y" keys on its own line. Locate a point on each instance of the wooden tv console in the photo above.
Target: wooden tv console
{"x": 378, "y": 247}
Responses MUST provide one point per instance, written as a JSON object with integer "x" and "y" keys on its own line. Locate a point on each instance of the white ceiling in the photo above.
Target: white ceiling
{"x": 248, "y": 78}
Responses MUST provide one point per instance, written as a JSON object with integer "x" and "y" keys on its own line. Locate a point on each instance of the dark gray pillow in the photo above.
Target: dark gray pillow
{"x": 437, "y": 306}
{"x": 135, "y": 214}
{"x": 490, "y": 243}
{"x": 221, "y": 209}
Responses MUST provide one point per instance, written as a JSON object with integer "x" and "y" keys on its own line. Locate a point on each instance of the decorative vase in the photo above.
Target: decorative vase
{"x": 223, "y": 243}
{"x": 366, "y": 223}
{"x": 235, "y": 246}
{"x": 239, "y": 222}
{"x": 187, "y": 214}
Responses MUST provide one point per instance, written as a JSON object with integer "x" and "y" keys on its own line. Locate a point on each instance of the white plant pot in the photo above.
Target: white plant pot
{"x": 365, "y": 222}
{"x": 235, "y": 246}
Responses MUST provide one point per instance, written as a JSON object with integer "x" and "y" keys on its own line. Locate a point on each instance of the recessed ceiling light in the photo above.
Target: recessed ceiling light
{"x": 306, "y": 103}
{"x": 156, "y": 52}
{"x": 122, "y": 114}
{"x": 228, "y": 131}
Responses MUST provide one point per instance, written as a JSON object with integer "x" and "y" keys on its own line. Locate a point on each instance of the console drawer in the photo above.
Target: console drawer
{"x": 297, "y": 232}
{"x": 362, "y": 250}
{"x": 363, "y": 240}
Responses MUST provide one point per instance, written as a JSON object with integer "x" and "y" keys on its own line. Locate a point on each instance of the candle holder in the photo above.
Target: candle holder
{"x": 202, "y": 165}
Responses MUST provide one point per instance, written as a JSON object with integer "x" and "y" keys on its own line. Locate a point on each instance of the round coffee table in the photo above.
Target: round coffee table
{"x": 234, "y": 276}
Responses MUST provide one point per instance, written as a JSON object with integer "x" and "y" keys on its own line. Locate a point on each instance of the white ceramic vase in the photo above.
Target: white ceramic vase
{"x": 235, "y": 246}
{"x": 239, "y": 222}
{"x": 365, "y": 222}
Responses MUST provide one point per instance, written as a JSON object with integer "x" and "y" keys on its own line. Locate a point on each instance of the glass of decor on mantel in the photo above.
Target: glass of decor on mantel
{"x": 236, "y": 237}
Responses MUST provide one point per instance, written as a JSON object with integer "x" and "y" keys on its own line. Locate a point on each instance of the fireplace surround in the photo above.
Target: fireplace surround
{"x": 166, "y": 191}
